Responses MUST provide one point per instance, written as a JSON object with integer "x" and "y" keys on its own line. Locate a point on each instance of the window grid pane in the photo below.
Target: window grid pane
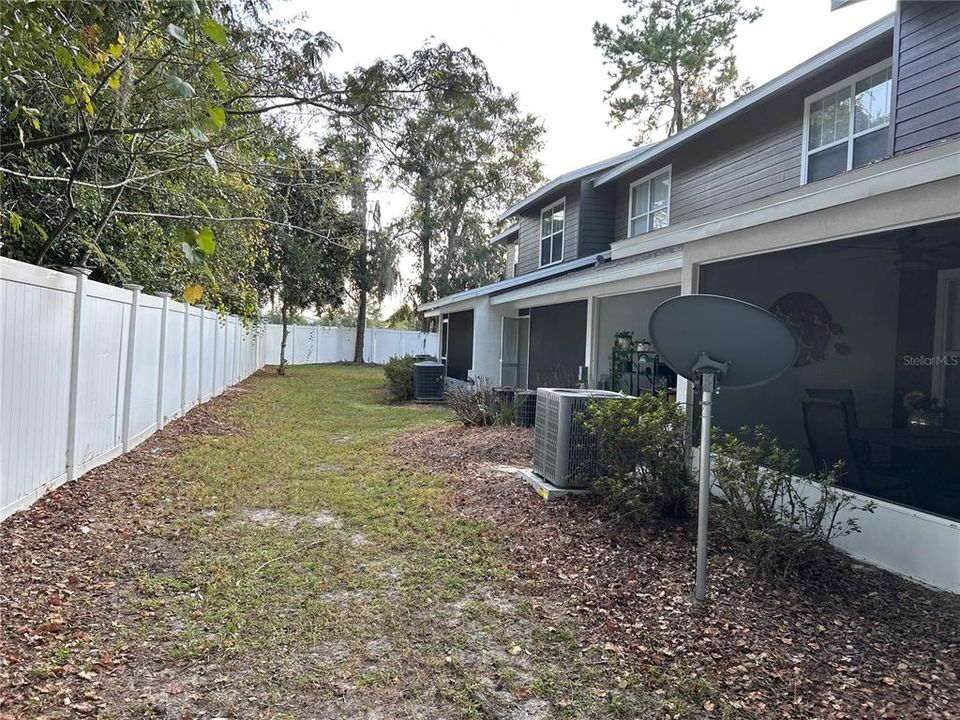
{"x": 873, "y": 101}
{"x": 660, "y": 191}
{"x": 830, "y": 126}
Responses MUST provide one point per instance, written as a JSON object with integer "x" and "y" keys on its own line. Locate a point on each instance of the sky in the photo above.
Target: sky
{"x": 543, "y": 51}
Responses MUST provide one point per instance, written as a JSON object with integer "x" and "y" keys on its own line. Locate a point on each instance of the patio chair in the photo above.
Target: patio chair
{"x": 845, "y": 396}
{"x": 828, "y": 439}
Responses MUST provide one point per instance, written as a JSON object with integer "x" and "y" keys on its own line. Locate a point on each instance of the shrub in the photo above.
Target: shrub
{"x": 474, "y": 405}
{"x": 787, "y": 521}
{"x": 399, "y": 374}
{"x": 641, "y": 444}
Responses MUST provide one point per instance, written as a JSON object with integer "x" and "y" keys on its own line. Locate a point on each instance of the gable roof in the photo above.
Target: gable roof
{"x": 570, "y": 177}
{"x": 827, "y": 57}
{"x": 506, "y": 234}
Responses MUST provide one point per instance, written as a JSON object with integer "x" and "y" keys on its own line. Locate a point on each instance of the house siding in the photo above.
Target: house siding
{"x": 927, "y": 75}
{"x": 530, "y": 231}
{"x": 597, "y": 213}
{"x": 755, "y": 157}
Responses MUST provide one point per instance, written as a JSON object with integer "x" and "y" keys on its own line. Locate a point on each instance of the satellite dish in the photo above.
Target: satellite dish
{"x": 718, "y": 341}
{"x": 755, "y": 345}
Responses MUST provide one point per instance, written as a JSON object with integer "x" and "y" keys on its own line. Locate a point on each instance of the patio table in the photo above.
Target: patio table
{"x": 910, "y": 439}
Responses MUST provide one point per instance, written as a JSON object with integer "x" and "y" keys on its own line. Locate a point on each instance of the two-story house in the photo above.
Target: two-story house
{"x": 830, "y": 195}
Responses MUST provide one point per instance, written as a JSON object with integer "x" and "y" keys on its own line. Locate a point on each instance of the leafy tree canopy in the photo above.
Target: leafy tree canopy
{"x": 462, "y": 150}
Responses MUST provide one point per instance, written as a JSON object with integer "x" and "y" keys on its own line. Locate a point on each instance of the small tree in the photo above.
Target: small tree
{"x": 307, "y": 268}
{"x": 672, "y": 57}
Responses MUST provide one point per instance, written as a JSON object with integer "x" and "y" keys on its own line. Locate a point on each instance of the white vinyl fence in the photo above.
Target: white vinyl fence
{"x": 309, "y": 344}
{"x": 88, "y": 371}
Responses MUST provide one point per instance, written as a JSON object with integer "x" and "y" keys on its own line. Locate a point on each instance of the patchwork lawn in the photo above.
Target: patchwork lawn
{"x": 273, "y": 558}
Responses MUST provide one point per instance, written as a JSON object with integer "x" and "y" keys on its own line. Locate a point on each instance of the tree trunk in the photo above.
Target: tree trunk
{"x": 282, "y": 368}
{"x": 361, "y": 328}
{"x": 360, "y": 212}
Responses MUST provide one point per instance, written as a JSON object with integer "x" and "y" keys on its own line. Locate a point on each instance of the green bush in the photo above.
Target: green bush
{"x": 787, "y": 521}
{"x": 641, "y": 444}
{"x": 399, "y": 375}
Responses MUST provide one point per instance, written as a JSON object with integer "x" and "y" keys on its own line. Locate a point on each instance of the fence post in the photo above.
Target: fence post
{"x": 216, "y": 354}
{"x": 72, "y": 404}
{"x": 183, "y": 363}
{"x": 373, "y": 345}
{"x": 161, "y": 373}
{"x": 131, "y": 348}
{"x": 226, "y": 335}
{"x": 237, "y": 348}
{"x": 200, "y": 359}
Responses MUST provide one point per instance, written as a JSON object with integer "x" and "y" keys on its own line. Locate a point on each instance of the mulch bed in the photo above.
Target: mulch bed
{"x": 63, "y": 564}
{"x": 858, "y": 642}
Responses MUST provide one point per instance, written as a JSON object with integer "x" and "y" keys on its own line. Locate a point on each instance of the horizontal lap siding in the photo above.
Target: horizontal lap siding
{"x": 596, "y": 218}
{"x": 742, "y": 161}
{"x": 705, "y": 181}
{"x": 766, "y": 166}
{"x": 529, "y": 258}
{"x": 927, "y": 75}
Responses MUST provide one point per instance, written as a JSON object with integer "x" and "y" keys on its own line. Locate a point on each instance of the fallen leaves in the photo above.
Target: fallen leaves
{"x": 825, "y": 650}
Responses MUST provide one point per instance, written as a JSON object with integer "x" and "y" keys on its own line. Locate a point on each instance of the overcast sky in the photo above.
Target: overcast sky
{"x": 543, "y": 50}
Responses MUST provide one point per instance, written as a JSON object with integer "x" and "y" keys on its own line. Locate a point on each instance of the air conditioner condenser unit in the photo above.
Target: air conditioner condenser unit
{"x": 564, "y": 453}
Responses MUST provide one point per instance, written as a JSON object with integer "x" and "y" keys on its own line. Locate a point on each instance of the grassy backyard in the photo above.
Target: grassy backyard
{"x": 298, "y": 548}
{"x": 278, "y": 560}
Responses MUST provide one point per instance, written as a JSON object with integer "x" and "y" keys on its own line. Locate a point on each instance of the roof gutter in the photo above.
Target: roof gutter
{"x": 828, "y": 56}
{"x": 519, "y": 281}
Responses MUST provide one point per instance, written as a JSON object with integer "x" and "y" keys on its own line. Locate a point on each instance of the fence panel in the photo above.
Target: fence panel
{"x": 311, "y": 344}
{"x": 84, "y": 367}
{"x": 33, "y": 403}
{"x": 173, "y": 362}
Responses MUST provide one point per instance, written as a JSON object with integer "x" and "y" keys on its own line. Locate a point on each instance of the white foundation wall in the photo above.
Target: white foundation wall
{"x": 907, "y": 542}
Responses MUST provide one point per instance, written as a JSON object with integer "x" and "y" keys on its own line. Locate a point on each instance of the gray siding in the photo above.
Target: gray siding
{"x": 927, "y": 74}
{"x": 530, "y": 231}
{"x": 756, "y": 156}
{"x": 597, "y": 211}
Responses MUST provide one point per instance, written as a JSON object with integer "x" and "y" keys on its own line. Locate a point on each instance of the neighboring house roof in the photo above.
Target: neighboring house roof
{"x": 514, "y": 282}
{"x": 506, "y": 234}
{"x": 570, "y": 177}
{"x": 728, "y": 112}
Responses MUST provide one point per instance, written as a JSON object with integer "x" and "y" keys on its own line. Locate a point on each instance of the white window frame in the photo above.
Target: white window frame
{"x": 549, "y": 210}
{"x": 668, "y": 171}
{"x": 852, "y": 82}
{"x": 940, "y": 349}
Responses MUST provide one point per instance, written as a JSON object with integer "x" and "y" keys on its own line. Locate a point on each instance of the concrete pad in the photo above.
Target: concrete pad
{"x": 547, "y": 490}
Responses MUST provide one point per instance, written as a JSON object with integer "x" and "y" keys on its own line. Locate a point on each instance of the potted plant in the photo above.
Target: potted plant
{"x": 923, "y": 411}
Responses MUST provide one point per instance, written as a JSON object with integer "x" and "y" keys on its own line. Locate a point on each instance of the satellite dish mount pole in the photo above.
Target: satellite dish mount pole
{"x": 709, "y": 371}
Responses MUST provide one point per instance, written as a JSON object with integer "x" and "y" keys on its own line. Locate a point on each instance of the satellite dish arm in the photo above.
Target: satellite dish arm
{"x": 706, "y": 365}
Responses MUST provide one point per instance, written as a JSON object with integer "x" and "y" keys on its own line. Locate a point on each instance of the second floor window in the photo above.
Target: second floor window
{"x": 551, "y": 234}
{"x": 846, "y": 125}
{"x": 649, "y": 203}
